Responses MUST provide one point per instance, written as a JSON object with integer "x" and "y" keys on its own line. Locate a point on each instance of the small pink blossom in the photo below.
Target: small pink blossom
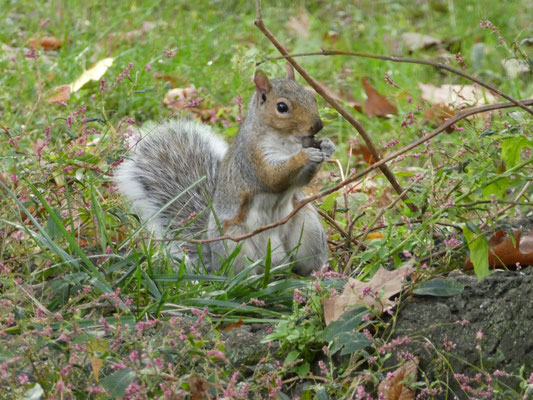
{"x": 32, "y": 53}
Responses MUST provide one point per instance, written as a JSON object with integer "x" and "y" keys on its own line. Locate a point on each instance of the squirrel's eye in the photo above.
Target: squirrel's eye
{"x": 282, "y": 107}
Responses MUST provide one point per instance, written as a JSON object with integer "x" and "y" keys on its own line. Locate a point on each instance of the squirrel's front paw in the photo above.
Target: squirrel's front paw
{"x": 327, "y": 147}
{"x": 314, "y": 155}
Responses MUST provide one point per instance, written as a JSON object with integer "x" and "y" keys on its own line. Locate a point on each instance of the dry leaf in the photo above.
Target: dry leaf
{"x": 299, "y": 24}
{"x": 232, "y": 326}
{"x": 341, "y": 97}
{"x": 96, "y": 364}
{"x": 50, "y": 43}
{"x": 456, "y": 96}
{"x": 385, "y": 283}
{"x": 362, "y": 153}
{"x": 394, "y": 389}
{"x": 60, "y": 94}
{"x": 373, "y": 236}
{"x": 504, "y": 253}
{"x": 376, "y": 104}
{"x": 514, "y": 67}
{"x": 415, "y": 41}
{"x": 437, "y": 114}
{"x": 92, "y": 74}
{"x": 198, "y": 387}
{"x": 178, "y": 98}
{"x": 330, "y": 37}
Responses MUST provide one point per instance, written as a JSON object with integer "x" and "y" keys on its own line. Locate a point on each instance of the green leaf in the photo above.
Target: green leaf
{"x": 479, "y": 252}
{"x": 118, "y": 381}
{"x": 498, "y": 189}
{"x": 357, "y": 341}
{"x": 511, "y": 149}
{"x": 303, "y": 369}
{"x": 51, "y": 226}
{"x": 268, "y": 264}
{"x": 292, "y": 356}
{"x": 329, "y": 202}
{"x": 321, "y": 393}
{"x": 439, "y": 287}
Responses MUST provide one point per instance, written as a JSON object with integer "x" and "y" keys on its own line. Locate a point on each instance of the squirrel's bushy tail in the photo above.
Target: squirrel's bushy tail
{"x": 166, "y": 161}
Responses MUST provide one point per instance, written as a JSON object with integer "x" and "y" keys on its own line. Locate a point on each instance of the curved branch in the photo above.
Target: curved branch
{"x": 406, "y": 60}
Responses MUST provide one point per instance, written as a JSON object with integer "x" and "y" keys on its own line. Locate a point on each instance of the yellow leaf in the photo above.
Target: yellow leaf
{"x": 374, "y": 236}
{"x": 96, "y": 364}
{"x": 92, "y": 74}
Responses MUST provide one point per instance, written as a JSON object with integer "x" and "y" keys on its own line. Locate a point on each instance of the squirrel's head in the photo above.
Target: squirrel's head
{"x": 285, "y": 105}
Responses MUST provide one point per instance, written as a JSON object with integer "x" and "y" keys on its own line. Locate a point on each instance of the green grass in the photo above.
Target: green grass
{"x": 71, "y": 251}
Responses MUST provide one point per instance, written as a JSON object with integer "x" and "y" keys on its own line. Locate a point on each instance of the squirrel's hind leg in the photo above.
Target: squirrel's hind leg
{"x": 307, "y": 239}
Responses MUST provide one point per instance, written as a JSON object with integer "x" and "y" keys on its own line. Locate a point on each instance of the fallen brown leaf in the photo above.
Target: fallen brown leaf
{"x": 198, "y": 387}
{"x": 50, "y": 43}
{"x": 299, "y": 24}
{"x": 232, "y": 326}
{"x": 456, "y": 96}
{"x": 178, "y": 98}
{"x": 46, "y": 43}
{"x": 437, "y": 114}
{"x": 415, "y": 41}
{"x": 394, "y": 389}
{"x": 341, "y": 97}
{"x": 60, "y": 94}
{"x": 362, "y": 153}
{"x": 330, "y": 37}
{"x": 504, "y": 253}
{"x": 385, "y": 283}
{"x": 376, "y": 104}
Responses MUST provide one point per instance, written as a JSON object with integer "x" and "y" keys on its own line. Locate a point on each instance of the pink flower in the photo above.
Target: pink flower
{"x": 479, "y": 335}
{"x": 217, "y": 354}
{"x": 23, "y": 379}
{"x": 389, "y": 80}
{"x": 32, "y": 53}
{"x": 298, "y": 296}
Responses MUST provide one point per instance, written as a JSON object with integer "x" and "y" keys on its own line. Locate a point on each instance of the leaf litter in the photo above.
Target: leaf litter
{"x": 375, "y": 294}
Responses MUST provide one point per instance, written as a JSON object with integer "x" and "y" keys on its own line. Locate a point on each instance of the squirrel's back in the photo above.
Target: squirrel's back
{"x": 167, "y": 161}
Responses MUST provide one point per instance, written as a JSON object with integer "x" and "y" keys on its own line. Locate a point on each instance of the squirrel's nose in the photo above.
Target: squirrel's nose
{"x": 317, "y": 126}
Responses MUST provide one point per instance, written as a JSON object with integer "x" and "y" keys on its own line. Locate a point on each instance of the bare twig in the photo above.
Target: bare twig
{"x": 334, "y": 103}
{"x": 374, "y": 222}
{"x": 512, "y": 203}
{"x": 463, "y": 114}
{"x": 410, "y": 61}
{"x": 501, "y": 212}
{"x": 339, "y": 228}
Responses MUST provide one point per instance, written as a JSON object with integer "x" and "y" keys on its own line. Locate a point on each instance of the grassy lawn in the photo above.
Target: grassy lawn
{"x": 87, "y": 293}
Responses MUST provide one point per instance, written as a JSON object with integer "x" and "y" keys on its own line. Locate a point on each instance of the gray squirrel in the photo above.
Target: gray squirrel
{"x": 255, "y": 181}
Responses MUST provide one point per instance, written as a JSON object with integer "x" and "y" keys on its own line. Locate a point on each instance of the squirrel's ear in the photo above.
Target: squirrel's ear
{"x": 262, "y": 84}
{"x": 290, "y": 70}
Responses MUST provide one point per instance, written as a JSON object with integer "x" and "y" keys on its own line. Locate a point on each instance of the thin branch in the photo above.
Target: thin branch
{"x": 513, "y": 203}
{"x": 339, "y": 228}
{"x": 410, "y": 61}
{"x": 374, "y": 222}
{"x": 334, "y": 103}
